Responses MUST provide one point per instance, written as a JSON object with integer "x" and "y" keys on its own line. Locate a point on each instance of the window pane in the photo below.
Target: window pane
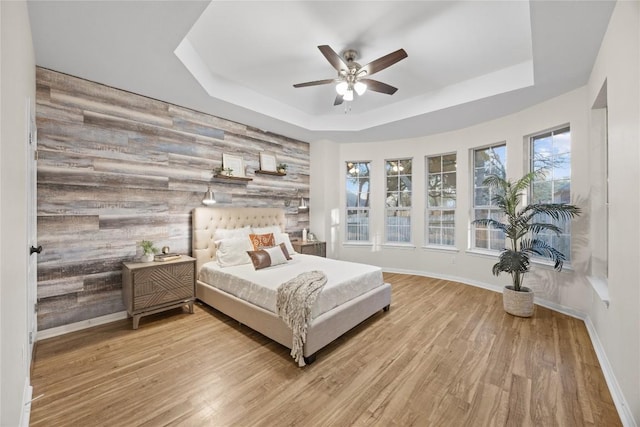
{"x": 405, "y": 167}
{"x": 435, "y": 182}
{"x": 482, "y": 197}
{"x": 562, "y": 191}
{"x": 398, "y": 195}
{"x": 449, "y": 163}
{"x": 552, "y": 152}
{"x": 441, "y": 193}
{"x": 392, "y": 183}
{"x": 435, "y": 199}
{"x": 435, "y": 164}
{"x": 448, "y": 236}
{"x": 405, "y": 199}
{"x": 357, "y": 201}
{"x": 562, "y": 167}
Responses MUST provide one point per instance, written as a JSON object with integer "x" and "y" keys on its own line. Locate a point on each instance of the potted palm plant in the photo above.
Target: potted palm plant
{"x": 148, "y": 250}
{"x": 521, "y": 225}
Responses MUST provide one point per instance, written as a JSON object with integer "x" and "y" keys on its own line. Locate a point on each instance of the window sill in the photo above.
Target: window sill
{"x": 549, "y": 265}
{"x": 601, "y": 286}
{"x": 357, "y": 244}
{"x": 440, "y": 248}
{"x": 405, "y": 246}
{"x": 483, "y": 253}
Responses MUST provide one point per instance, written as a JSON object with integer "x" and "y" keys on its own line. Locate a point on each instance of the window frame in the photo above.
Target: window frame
{"x": 551, "y": 132}
{"x": 473, "y": 227}
{"x": 357, "y": 208}
{"x": 442, "y": 208}
{"x": 397, "y": 208}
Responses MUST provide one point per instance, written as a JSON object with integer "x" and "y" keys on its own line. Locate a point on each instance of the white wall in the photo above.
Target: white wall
{"x": 618, "y": 326}
{"x": 17, "y": 83}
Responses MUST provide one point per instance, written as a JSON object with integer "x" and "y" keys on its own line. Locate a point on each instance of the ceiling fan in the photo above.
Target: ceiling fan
{"x": 353, "y": 77}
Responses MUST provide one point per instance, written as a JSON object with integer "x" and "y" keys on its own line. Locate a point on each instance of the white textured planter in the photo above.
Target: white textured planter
{"x": 147, "y": 258}
{"x": 518, "y": 303}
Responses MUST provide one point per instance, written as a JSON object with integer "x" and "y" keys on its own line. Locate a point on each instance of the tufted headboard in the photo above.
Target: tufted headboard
{"x": 207, "y": 220}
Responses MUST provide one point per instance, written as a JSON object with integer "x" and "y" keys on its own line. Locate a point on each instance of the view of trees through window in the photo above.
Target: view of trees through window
{"x": 441, "y": 200}
{"x": 551, "y": 152}
{"x": 487, "y": 161}
{"x": 358, "y": 193}
{"x": 398, "y": 200}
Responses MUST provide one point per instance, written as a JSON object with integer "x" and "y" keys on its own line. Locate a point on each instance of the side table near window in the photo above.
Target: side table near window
{"x": 310, "y": 248}
{"x": 152, "y": 287}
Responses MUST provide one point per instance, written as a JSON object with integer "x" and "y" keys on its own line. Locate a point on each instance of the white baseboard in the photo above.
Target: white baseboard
{"x": 614, "y": 388}
{"x": 72, "y": 327}
{"x": 612, "y": 383}
{"x": 25, "y": 415}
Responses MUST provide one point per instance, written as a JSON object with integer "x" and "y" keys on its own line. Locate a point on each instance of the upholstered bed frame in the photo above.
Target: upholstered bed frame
{"x": 322, "y": 330}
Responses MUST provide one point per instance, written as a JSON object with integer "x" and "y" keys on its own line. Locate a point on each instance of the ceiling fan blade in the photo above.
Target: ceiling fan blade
{"x": 315, "y": 83}
{"x": 333, "y": 58}
{"x": 339, "y": 100}
{"x": 377, "y": 86}
{"x": 384, "y": 62}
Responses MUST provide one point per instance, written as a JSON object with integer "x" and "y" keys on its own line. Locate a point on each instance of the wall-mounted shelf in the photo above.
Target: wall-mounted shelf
{"x": 271, "y": 173}
{"x": 232, "y": 179}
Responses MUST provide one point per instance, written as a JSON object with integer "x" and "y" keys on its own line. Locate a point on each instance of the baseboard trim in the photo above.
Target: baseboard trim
{"x": 72, "y": 327}
{"x": 25, "y": 415}
{"x": 612, "y": 383}
{"x": 614, "y": 388}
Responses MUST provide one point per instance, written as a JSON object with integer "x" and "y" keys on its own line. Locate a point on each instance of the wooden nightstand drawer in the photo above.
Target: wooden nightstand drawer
{"x": 151, "y": 287}
{"x": 310, "y": 248}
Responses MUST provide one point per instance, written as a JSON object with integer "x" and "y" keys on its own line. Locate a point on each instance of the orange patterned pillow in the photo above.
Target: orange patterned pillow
{"x": 260, "y": 241}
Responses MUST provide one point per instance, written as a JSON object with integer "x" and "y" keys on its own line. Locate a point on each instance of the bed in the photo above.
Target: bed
{"x": 331, "y": 317}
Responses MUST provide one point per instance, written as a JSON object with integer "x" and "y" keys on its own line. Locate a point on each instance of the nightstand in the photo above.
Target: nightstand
{"x": 152, "y": 287}
{"x": 310, "y": 248}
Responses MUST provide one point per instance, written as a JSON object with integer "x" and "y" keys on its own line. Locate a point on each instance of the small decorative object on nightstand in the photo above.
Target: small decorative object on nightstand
{"x": 152, "y": 287}
{"x": 310, "y": 248}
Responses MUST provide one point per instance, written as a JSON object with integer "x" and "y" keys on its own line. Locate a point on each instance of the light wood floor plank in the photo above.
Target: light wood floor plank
{"x": 445, "y": 355}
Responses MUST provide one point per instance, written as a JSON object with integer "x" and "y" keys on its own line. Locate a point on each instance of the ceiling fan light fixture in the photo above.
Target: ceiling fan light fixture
{"x": 348, "y": 95}
{"x": 342, "y": 88}
{"x": 360, "y": 88}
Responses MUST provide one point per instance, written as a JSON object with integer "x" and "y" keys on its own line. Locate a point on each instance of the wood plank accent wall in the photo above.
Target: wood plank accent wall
{"x": 115, "y": 168}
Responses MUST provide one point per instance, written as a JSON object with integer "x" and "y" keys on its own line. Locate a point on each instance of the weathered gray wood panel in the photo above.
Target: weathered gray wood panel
{"x": 115, "y": 168}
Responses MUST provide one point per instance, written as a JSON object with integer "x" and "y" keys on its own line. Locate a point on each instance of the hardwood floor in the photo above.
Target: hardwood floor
{"x": 445, "y": 355}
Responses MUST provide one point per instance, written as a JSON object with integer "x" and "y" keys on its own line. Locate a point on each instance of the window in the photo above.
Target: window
{"x": 487, "y": 161}
{"x": 398, "y": 201}
{"x": 358, "y": 193}
{"x": 441, "y": 200}
{"x": 551, "y": 152}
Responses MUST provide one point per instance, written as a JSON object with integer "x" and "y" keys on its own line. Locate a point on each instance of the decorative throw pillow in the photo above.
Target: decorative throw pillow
{"x": 284, "y": 238}
{"x": 260, "y": 241}
{"x": 233, "y": 251}
{"x": 267, "y": 257}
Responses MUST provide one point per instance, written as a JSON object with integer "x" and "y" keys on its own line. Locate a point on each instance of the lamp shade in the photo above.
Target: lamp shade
{"x": 209, "y": 198}
{"x": 303, "y": 205}
{"x": 342, "y": 87}
{"x": 348, "y": 95}
{"x": 360, "y": 88}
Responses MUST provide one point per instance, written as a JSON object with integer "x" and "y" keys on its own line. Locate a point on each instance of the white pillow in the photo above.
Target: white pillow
{"x": 229, "y": 233}
{"x": 276, "y": 255}
{"x": 284, "y": 238}
{"x": 233, "y": 251}
{"x": 266, "y": 230}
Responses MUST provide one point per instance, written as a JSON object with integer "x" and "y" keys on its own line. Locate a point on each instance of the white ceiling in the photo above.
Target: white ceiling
{"x": 467, "y": 62}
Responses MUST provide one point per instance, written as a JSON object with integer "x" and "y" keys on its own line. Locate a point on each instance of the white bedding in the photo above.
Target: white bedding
{"x": 345, "y": 280}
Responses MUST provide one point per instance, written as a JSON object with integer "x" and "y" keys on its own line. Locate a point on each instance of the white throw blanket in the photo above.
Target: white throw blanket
{"x": 295, "y": 299}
